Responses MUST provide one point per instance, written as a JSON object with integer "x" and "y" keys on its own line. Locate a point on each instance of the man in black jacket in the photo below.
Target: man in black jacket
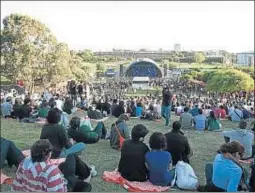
{"x": 177, "y": 144}
{"x": 166, "y": 104}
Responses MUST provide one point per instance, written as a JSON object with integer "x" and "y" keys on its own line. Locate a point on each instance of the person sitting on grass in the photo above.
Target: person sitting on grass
{"x": 25, "y": 109}
{"x": 177, "y": 144}
{"x": 235, "y": 115}
{"x": 186, "y": 119}
{"x": 68, "y": 106}
{"x": 36, "y": 173}
{"x": 6, "y": 108}
{"x": 225, "y": 174}
{"x": 94, "y": 114}
{"x": 252, "y": 176}
{"x": 119, "y": 128}
{"x": 9, "y": 152}
{"x": 43, "y": 109}
{"x": 246, "y": 113}
{"x": 134, "y": 149}
{"x": 16, "y": 108}
{"x": 200, "y": 121}
{"x": 83, "y": 133}
{"x": 222, "y": 112}
{"x": 119, "y": 110}
{"x": 159, "y": 161}
{"x": 213, "y": 123}
{"x": 243, "y": 136}
{"x": 194, "y": 112}
{"x": 114, "y": 105}
{"x": 56, "y": 134}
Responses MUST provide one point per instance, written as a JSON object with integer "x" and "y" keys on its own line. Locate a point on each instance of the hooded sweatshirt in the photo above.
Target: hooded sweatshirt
{"x": 39, "y": 176}
{"x": 244, "y": 137}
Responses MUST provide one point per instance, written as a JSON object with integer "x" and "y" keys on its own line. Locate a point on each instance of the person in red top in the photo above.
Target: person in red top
{"x": 216, "y": 111}
{"x": 36, "y": 173}
{"x": 222, "y": 112}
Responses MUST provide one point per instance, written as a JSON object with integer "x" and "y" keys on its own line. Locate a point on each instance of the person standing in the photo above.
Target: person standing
{"x": 80, "y": 89}
{"x": 73, "y": 92}
{"x": 166, "y": 104}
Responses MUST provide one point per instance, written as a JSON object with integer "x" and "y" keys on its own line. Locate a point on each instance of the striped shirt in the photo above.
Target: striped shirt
{"x": 38, "y": 177}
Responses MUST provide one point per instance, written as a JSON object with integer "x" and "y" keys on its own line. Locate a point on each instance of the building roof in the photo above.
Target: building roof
{"x": 143, "y": 60}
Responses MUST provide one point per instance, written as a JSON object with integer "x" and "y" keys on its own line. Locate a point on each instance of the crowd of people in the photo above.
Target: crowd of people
{"x": 65, "y": 135}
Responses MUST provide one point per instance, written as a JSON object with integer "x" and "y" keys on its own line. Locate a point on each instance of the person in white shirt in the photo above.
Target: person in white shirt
{"x": 179, "y": 109}
{"x": 59, "y": 103}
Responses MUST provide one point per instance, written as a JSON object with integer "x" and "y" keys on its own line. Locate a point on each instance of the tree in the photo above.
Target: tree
{"x": 26, "y": 45}
{"x": 86, "y": 55}
{"x": 230, "y": 81}
{"x": 100, "y": 69}
{"x": 171, "y": 66}
{"x": 199, "y": 57}
{"x": 79, "y": 70}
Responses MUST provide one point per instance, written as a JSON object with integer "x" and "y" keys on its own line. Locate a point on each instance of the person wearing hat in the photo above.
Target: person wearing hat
{"x": 119, "y": 127}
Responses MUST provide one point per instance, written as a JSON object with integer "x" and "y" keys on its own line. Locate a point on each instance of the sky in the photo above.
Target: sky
{"x": 104, "y": 25}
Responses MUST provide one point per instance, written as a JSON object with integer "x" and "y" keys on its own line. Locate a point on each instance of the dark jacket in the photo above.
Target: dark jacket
{"x": 24, "y": 111}
{"x": 10, "y": 153}
{"x": 84, "y": 137}
{"x": 252, "y": 179}
{"x": 167, "y": 97}
{"x": 119, "y": 110}
{"x": 94, "y": 114}
{"x": 130, "y": 151}
{"x": 178, "y": 146}
{"x": 57, "y": 136}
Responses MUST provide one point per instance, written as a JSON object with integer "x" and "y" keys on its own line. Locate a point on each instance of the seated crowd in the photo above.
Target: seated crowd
{"x": 155, "y": 162}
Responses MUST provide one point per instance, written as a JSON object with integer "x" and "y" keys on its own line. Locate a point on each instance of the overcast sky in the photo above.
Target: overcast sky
{"x": 152, "y": 25}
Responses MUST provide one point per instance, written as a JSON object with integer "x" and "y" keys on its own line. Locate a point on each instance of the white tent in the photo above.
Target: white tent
{"x": 141, "y": 83}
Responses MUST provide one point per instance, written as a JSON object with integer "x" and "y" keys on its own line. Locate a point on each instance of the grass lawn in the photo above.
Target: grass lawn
{"x": 204, "y": 146}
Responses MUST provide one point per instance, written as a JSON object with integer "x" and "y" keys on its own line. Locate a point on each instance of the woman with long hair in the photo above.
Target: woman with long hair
{"x": 159, "y": 161}
{"x": 134, "y": 149}
{"x": 213, "y": 123}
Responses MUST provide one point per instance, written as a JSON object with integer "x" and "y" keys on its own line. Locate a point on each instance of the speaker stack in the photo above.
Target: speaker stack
{"x": 121, "y": 70}
{"x": 165, "y": 69}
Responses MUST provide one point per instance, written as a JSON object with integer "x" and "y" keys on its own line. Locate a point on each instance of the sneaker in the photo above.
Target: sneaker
{"x": 93, "y": 171}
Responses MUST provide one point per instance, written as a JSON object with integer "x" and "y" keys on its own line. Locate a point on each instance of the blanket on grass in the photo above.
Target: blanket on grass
{"x": 115, "y": 177}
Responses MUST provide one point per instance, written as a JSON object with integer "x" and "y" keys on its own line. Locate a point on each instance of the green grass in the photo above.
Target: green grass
{"x": 104, "y": 158}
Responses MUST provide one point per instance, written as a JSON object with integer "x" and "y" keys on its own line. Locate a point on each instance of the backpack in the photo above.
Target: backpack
{"x": 185, "y": 177}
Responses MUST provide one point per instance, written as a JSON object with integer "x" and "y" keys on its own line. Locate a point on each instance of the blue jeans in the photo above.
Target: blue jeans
{"x": 75, "y": 148}
{"x": 166, "y": 113}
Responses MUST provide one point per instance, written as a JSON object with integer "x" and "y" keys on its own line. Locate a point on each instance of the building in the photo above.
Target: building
{"x": 245, "y": 59}
{"x": 213, "y": 53}
{"x": 177, "y": 47}
{"x": 143, "y": 68}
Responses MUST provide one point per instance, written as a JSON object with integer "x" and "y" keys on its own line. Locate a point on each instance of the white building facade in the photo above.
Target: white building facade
{"x": 245, "y": 59}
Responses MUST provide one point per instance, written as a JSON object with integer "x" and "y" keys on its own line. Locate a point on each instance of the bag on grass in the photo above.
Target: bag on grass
{"x": 185, "y": 177}
{"x": 121, "y": 139}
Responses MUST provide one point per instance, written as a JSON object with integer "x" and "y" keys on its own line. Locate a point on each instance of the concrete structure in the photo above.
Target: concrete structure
{"x": 245, "y": 59}
{"x": 143, "y": 68}
{"x": 141, "y": 83}
{"x": 136, "y": 54}
{"x": 177, "y": 47}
